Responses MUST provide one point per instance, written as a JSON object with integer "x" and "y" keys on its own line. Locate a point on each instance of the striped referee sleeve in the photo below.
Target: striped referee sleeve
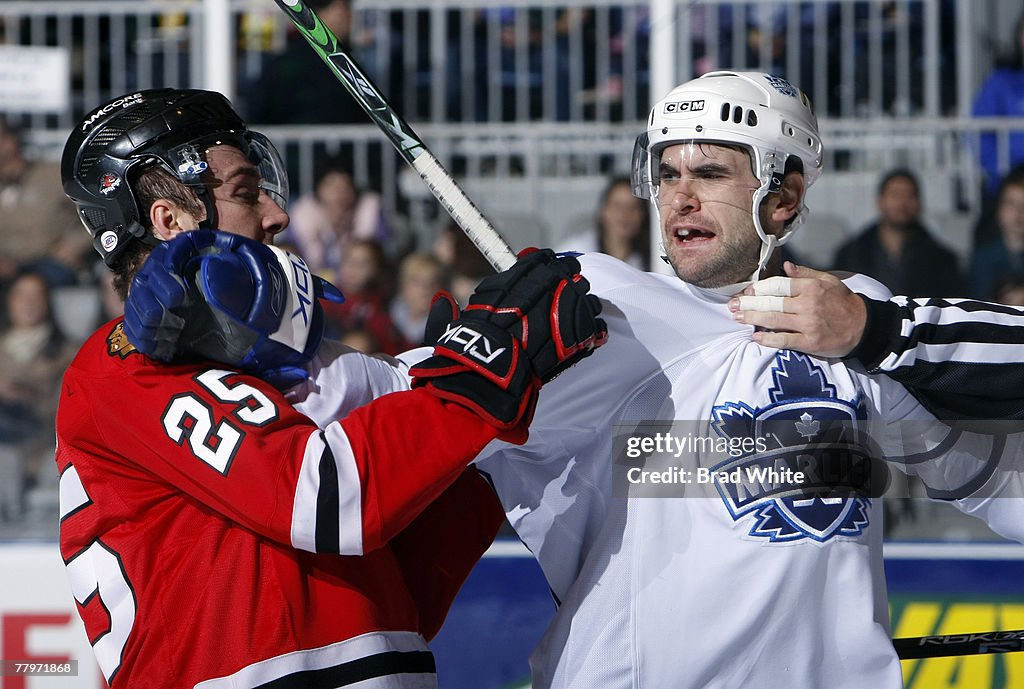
{"x": 962, "y": 359}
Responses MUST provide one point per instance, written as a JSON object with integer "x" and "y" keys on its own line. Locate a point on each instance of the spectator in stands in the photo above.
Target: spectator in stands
{"x": 765, "y": 36}
{"x": 33, "y": 356}
{"x": 443, "y": 248}
{"x": 296, "y": 87}
{"x": 1003, "y": 256}
{"x": 336, "y": 214}
{"x": 513, "y": 57}
{"x": 364, "y": 282}
{"x": 361, "y": 341}
{"x": 628, "y": 77}
{"x": 1002, "y": 95}
{"x": 465, "y": 264}
{"x": 420, "y": 276}
{"x": 38, "y": 224}
{"x": 622, "y": 227}
{"x": 1009, "y": 290}
{"x": 520, "y": 63}
{"x": 897, "y": 249}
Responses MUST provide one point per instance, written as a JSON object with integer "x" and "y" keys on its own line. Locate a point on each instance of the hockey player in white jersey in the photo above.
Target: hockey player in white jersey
{"x": 770, "y": 583}
{"x": 754, "y": 586}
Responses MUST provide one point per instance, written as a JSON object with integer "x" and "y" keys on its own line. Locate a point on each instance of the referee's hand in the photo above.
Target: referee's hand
{"x": 810, "y": 311}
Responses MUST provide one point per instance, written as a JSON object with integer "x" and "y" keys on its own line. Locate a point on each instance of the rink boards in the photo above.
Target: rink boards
{"x": 501, "y": 612}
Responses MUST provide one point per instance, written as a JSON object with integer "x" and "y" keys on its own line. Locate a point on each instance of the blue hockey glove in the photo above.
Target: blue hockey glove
{"x": 216, "y": 295}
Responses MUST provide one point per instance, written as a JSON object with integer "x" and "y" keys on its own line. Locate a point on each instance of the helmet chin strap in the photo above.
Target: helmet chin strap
{"x": 769, "y": 242}
{"x": 210, "y": 221}
{"x": 768, "y": 245}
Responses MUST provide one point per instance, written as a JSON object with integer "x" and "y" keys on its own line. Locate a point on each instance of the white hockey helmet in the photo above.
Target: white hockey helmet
{"x": 765, "y": 114}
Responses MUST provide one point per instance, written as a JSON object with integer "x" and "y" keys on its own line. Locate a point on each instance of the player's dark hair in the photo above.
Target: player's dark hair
{"x": 156, "y": 183}
{"x": 794, "y": 164}
{"x": 153, "y": 183}
{"x": 126, "y": 264}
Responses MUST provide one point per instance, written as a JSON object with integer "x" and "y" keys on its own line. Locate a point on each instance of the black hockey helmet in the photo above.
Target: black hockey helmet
{"x": 108, "y": 149}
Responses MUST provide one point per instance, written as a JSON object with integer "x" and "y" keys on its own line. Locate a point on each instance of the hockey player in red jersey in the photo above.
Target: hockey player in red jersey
{"x": 216, "y": 534}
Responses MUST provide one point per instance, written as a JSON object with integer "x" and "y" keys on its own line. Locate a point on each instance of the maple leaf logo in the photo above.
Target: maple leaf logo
{"x": 807, "y": 426}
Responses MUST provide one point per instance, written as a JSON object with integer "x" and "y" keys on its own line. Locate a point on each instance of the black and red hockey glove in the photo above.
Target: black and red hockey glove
{"x": 562, "y": 327}
{"x": 522, "y": 327}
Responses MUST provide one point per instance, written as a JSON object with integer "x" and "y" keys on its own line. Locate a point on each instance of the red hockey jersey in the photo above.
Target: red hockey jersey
{"x": 216, "y": 537}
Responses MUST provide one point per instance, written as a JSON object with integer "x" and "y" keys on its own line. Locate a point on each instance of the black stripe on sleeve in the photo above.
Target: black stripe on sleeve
{"x": 972, "y": 306}
{"x": 951, "y": 390}
{"x": 328, "y": 504}
{"x": 380, "y": 665}
{"x": 967, "y": 331}
{"x": 971, "y": 327}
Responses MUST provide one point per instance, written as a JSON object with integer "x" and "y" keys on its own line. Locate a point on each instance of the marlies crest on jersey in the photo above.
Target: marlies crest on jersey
{"x": 809, "y": 430}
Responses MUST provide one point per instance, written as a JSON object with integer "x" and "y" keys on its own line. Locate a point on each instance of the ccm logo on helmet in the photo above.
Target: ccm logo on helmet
{"x": 685, "y": 106}
{"x": 133, "y": 99}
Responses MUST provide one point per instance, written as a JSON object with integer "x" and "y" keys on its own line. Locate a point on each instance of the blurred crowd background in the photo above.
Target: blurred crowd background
{"x": 534, "y": 106}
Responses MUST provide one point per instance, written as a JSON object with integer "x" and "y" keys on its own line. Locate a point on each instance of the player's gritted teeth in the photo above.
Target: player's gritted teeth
{"x": 691, "y": 235}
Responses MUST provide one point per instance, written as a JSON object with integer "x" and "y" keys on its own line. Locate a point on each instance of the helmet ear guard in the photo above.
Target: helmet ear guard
{"x": 114, "y": 143}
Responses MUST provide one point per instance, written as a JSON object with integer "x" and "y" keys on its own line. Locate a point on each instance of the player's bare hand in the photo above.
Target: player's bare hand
{"x": 810, "y": 311}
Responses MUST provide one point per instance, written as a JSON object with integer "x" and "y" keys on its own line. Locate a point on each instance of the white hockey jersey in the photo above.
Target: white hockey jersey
{"x": 750, "y": 589}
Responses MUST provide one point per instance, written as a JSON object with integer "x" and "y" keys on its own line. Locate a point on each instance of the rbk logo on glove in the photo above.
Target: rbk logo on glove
{"x": 521, "y": 328}
{"x": 294, "y": 330}
{"x": 474, "y": 343}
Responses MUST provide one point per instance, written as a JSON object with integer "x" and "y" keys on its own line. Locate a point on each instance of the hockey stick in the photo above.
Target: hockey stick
{"x": 409, "y": 145}
{"x": 959, "y": 644}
